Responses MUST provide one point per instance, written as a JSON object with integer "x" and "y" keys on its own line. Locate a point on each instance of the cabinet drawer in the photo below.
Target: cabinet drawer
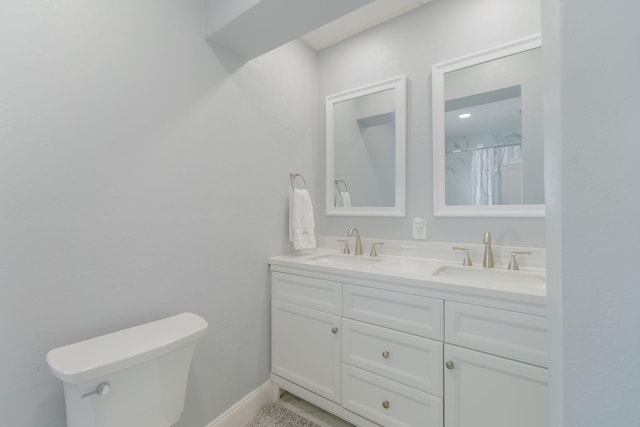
{"x": 317, "y": 294}
{"x": 386, "y": 402}
{"x": 510, "y": 334}
{"x": 407, "y": 313}
{"x": 405, "y": 358}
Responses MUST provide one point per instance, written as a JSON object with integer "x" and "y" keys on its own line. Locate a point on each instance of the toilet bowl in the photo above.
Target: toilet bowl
{"x": 135, "y": 377}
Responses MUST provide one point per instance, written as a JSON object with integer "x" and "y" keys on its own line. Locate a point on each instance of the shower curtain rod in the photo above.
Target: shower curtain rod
{"x": 462, "y": 150}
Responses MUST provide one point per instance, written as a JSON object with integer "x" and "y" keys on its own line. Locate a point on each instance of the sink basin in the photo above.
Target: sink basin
{"x": 492, "y": 278}
{"x": 411, "y": 266}
{"x": 352, "y": 260}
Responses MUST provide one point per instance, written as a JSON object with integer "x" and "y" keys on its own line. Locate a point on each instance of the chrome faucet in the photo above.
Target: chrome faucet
{"x": 358, "y": 250}
{"x": 487, "y": 260}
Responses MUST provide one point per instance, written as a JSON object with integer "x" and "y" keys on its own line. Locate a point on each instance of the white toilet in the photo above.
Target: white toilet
{"x": 136, "y": 377}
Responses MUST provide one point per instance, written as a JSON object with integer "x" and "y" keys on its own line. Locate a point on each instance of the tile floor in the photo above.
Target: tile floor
{"x": 311, "y": 412}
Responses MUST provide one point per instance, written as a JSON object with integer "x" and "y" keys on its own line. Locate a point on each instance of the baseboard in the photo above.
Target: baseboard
{"x": 243, "y": 410}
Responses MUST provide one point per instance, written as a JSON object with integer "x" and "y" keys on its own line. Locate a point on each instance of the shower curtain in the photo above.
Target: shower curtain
{"x": 486, "y": 172}
{"x": 486, "y": 176}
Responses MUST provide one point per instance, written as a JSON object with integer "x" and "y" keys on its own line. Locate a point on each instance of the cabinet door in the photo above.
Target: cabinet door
{"x": 482, "y": 390}
{"x": 305, "y": 348}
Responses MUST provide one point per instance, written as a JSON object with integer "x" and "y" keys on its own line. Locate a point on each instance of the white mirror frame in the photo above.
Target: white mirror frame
{"x": 399, "y": 85}
{"x": 438, "y": 72}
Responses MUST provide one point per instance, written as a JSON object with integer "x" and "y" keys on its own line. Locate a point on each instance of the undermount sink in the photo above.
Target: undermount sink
{"x": 492, "y": 277}
{"x": 527, "y": 281}
{"x": 413, "y": 266}
{"x": 337, "y": 259}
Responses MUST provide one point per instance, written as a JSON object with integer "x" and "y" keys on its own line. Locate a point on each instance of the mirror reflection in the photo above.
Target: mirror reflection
{"x": 365, "y": 170}
{"x": 488, "y": 132}
{"x": 493, "y": 132}
{"x": 364, "y": 151}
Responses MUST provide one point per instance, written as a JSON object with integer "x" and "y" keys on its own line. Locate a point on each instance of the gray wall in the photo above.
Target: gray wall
{"x": 142, "y": 175}
{"x": 364, "y": 151}
{"x": 410, "y": 45}
{"x": 591, "y": 114}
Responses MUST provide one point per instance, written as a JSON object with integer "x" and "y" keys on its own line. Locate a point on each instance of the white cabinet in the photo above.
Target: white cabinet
{"x": 483, "y": 390}
{"x": 498, "y": 386}
{"x": 391, "y": 372}
{"x": 388, "y": 403}
{"x": 317, "y": 294}
{"x": 402, "y": 357}
{"x": 376, "y": 356}
{"x": 305, "y": 332}
{"x": 305, "y": 348}
{"x": 414, "y": 314}
{"x": 518, "y": 336}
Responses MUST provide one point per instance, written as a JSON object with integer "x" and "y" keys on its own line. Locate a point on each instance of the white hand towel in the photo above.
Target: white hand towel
{"x": 301, "y": 223}
{"x": 345, "y": 199}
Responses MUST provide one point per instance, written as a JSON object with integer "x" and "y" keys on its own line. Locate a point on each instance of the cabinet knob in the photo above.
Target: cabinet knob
{"x": 334, "y": 330}
{"x": 449, "y": 364}
{"x": 385, "y": 354}
{"x": 385, "y": 404}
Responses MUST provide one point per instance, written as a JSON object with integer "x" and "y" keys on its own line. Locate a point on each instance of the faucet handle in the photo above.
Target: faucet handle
{"x": 373, "y": 248}
{"x": 467, "y": 259}
{"x": 345, "y": 250}
{"x": 513, "y": 265}
{"x": 487, "y": 259}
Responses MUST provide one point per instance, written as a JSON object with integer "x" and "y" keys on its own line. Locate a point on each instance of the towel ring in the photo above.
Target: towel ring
{"x": 293, "y": 176}
{"x": 337, "y": 181}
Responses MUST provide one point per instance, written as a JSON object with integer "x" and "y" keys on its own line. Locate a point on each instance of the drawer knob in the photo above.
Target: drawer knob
{"x": 385, "y": 404}
{"x": 449, "y": 364}
{"x": 385, "y": 354}
{"x": 334, "y": 330}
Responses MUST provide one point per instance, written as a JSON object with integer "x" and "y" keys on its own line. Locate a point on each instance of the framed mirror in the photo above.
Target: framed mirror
{"x": 488, "y": 145}
{"x": 365, "y": 148}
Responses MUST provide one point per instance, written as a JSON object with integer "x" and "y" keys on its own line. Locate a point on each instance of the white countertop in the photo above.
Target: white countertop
{"x": 522, "y": 289}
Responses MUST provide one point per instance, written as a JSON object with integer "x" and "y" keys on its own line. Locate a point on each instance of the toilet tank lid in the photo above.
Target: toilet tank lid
{"x": 95, "y": 357}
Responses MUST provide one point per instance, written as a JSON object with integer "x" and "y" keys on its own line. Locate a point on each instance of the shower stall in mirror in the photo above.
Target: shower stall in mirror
{"x": 488, "y": 132}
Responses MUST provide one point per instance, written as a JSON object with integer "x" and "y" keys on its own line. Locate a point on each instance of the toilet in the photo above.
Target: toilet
{"x": 136, "y": 377}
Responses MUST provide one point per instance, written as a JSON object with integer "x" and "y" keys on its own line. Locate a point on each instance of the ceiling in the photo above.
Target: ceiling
{"x": 370, "y": 15}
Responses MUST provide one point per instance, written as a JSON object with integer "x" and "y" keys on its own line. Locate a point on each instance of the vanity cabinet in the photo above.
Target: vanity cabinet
{"x": 305, "y": 333}
{"x": 306, "y": 348}
{"x": 388, "y": 403}
{"x": 494, "y": 372}
{"x": 391, "y": 365}
{"x": 482, "y": 390}
{"x": 378, "y": 354}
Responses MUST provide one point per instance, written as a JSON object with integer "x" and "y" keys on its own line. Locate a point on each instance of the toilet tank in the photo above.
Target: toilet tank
{"x": 135, "y": 377}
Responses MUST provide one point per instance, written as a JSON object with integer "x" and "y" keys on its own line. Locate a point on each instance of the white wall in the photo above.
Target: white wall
{"x": 410, "y": 45}
{"x": 141, "y": 176}
{"x": 592, "y": 106}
